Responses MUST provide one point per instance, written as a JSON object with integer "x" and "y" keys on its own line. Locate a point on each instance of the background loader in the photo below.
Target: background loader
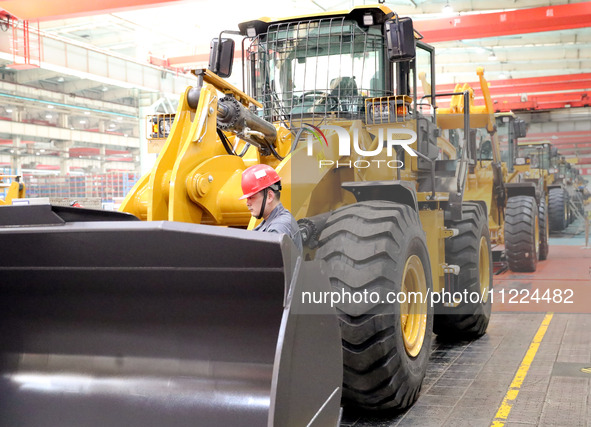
{"x": 186, "y": 319}
{"x": 514, "y": 202}
{"x": 527, "y": 228}
{"x": 487, "y": 174}
{"x": 539, "y": 165}
{"x": 12, "y": 187}
{"x": 569, "y": 180}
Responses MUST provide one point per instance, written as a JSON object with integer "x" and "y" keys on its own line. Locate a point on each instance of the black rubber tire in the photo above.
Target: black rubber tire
{"x": 544, "y": 230}
{"x": 468, "y": 320}
{"x": 366, "y": 246}
{"x": 557, "y": 212}
{"x": 521, "y": 241}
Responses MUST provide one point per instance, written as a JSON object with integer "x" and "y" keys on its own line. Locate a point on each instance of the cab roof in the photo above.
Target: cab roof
{"x": 380, "y": 15}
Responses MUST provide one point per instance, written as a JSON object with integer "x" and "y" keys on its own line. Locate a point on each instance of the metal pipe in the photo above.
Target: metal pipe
{"x": 94, "y": 110}
{"x": 93, "y": 48}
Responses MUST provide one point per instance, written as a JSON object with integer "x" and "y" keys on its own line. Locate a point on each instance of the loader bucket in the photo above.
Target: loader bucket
{"x": 110, "y": 322}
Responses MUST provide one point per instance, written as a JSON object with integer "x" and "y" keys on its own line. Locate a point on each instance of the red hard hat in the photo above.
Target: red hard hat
{"x": 256, "y": 178}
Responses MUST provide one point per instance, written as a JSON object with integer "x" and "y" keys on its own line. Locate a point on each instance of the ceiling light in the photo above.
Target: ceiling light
{"x": 502, "y": 76}
{"x": 492, "y": 57}
{"x": 105, "y": 88}
{"x": 50, "y": 106}
{"x": 82, "y": 122}
{"x": 8, "y": 110}
{"x": 60, "y": 79}
{"x": 48, "y": 116}
{"x": 87, "y": 113}
{"x": 447, "y": 9}
{"x": 119, "y": 119}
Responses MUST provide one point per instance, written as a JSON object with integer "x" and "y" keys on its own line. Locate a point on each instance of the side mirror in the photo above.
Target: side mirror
{"x": 221, "y": 57}
{"x": 521, "y": 129}
{"x": 400, "y": 39}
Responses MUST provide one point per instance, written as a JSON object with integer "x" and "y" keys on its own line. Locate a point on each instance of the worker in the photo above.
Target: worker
{"x": 261, "y": 186}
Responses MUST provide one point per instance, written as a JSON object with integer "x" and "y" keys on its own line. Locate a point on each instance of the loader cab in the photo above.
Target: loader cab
{"x": 327, "y": 66}
{"x": 318, "y": 67}
{"x": 538, "y": 156}
{"x": 509, "y": 129}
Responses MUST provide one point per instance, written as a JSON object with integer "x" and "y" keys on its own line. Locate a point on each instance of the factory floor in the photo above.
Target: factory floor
{"x": 531, "y": 368}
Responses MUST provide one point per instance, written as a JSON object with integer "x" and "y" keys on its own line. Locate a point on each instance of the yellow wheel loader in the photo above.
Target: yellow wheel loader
{"x": 512, "y": 204}
{"x": 487, "y": 174}
{"x": 528, "y": 185}
{"x": 190, "y": 318}
{"x": 577, "y": 186}
{"x": 16, "y": 188}
{"x": 565, "y": 178}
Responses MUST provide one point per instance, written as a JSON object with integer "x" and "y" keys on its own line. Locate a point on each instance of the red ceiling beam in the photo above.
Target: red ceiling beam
{"x": 575, "y": 152}
{"x": 541, "y": 102}
{"x": 570, "y": 133}
{"x": 556, "y": 83}
{"x": 560, "y": 143}
{"x": 43, "y": 10}
{"x": 565, "y": 143}
{"x": 570, "y": 137}
{"x": 495, "y": 24}
{"x": 549, "y": 92}
{"x": 577, "y": 142}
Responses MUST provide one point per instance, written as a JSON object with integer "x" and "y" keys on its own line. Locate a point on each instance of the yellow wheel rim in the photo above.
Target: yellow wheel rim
{"x": 413, "y": 311}
{"x": 484, "y": 268}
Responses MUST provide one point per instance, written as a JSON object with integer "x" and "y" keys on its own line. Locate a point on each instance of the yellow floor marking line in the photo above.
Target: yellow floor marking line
{"x": 509, "y": 400}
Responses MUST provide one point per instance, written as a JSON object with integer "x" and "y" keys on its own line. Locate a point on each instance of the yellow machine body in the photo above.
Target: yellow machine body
{"x": 16, "y": 189}
{"x": 194, "y": 180}
{"x": 486, "y": 178}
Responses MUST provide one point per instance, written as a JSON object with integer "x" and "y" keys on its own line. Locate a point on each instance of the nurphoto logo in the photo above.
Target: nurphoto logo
{"x": 387, "y": 139}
